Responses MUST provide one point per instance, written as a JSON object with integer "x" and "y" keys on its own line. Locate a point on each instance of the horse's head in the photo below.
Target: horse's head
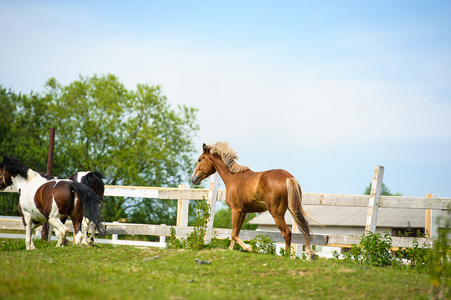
{"x": 5, "y": 175}
{"x": 204, "y": 167}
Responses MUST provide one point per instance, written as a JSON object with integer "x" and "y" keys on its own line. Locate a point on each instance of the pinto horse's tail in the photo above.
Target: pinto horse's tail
{"x": 295, "y": 208}
{"x": 92, "y": 205}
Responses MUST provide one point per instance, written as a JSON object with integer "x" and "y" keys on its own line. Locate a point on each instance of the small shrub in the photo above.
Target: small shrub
{"x": 263, "y": 244}
{"x": 195, "y": 240}
{"x": 373, "y": 250}
{"x": 440, "y": 264}
{"x": 417, "y": 257}
{"x": 376, "y": 251}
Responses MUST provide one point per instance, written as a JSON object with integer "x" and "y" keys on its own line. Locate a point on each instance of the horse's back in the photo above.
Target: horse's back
{"x": 257, "y": 191}
{"x": 274, "y": 179}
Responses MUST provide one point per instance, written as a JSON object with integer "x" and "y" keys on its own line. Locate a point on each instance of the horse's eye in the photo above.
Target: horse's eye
{"x": 199, "y": 159}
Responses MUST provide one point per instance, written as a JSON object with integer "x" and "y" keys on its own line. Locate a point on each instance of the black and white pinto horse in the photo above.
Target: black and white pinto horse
{"x": 44, "y": 198}
{"x": 94, "y": 180}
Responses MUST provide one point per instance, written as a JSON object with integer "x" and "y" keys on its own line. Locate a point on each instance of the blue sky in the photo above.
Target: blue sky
{"x": 323, "y": 89}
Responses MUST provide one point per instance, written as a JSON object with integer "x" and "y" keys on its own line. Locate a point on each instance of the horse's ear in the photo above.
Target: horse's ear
{"x": 205, "y": 147}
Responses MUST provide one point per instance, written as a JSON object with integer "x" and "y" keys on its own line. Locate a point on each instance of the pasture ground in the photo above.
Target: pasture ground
{"x": 125, "y": 272}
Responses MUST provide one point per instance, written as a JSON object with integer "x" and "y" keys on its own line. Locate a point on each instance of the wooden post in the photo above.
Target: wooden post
{"x": 46, "y": 230}
{"x": 373, "y": 204}
{"x": 212, "y": 196}
{"x": 182, "y": 209}
{"x": 431, "y": 219}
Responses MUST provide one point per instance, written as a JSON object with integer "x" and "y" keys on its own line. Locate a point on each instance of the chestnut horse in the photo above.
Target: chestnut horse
{"x": 44, "y": 198}
{"x": 248, "y": 191}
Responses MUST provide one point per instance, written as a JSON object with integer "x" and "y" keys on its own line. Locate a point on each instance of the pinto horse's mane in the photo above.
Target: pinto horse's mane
{"x": 228, "y": 156}
{"x": 15, "y": 166}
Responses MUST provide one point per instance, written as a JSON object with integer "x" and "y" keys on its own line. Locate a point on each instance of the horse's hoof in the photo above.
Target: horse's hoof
{"x": 312, "y": 256}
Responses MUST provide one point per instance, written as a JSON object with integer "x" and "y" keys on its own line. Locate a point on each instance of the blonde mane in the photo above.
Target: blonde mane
{"x": 228, "y": 156}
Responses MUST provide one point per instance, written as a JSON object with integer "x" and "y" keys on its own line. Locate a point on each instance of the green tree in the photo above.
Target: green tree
{"x": 134, "y": 137}
{"x": 21, "y": 135}
{"x": 385, "y": 191}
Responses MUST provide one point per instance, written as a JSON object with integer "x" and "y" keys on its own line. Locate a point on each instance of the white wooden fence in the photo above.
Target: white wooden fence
{"x": 431, "y": 203}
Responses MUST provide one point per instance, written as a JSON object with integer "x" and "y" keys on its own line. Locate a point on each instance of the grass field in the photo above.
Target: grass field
{"x": 124, "y": 272}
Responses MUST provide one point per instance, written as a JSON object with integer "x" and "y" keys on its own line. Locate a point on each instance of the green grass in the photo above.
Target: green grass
{"x": 123, "y": 272}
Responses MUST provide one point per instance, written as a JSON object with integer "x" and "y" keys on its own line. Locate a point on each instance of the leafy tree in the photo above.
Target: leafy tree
{"x": 134, "y": 137}
{"x": 385, "y": 191}
{"x": 20, "y": 135}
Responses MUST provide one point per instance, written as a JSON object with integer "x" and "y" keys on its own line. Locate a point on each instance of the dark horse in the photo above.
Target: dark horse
{"x": 248, "y": 191}
{"x": 95, "y": 182}
{"x": 47, "y": 199}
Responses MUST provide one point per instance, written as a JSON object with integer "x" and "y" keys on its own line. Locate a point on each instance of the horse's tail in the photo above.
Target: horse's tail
{"x": 295, "y": 208}
{"x": 95, "y": 182}
{"x": 92, "y": 205}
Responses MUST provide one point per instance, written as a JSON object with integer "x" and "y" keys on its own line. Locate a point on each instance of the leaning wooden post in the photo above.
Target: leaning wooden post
{"x": 212, "y": 196}
{"x": 431, "y": 220}
{"x": 46, "y": 230}
{"x": 375, "y": 195}
{"x": 182, "y": 208}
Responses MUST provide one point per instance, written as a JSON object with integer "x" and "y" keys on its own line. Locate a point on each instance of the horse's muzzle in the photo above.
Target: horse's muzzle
{"x": 195, "y": 179}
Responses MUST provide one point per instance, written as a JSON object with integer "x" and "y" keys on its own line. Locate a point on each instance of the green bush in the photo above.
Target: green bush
{"x": 440, "y": 263}
{"x": 263, "y": 244}
{"x": 373, "y": 250}
{"x": 195, "y": 240}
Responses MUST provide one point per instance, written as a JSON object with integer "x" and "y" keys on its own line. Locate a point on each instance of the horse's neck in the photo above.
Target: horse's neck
{"x": 32, "y": 176}
{"x": 222, "y": 169}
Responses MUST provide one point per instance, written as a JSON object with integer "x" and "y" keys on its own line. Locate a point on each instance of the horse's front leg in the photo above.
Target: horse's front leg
{"x": 28, "y": 222}
{"x": 237, "y": 221}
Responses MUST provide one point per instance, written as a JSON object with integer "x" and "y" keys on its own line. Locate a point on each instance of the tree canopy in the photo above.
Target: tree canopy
{"x": 385, "y": 191}
{"x": 134, "y": 137}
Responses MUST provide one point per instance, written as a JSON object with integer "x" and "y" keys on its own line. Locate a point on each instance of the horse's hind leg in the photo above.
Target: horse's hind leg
{"x": 286, "y": 232}
{"x": 78, "y": 232}
{"x": 61, "y": 228}
{"x": 237, "y": 221}
{"x": 85, "y": 230}
{"x": 308, "y": 249}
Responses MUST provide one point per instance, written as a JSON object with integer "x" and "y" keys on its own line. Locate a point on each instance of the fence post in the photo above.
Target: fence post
{"x": 114, "y": 237}
{"x": 375, "y": 195}
{"x": 163, "y": 239}
{"x": 431, "y": 220}
{"x": 212, "y": 196}
{"x": 182, "y": 208}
